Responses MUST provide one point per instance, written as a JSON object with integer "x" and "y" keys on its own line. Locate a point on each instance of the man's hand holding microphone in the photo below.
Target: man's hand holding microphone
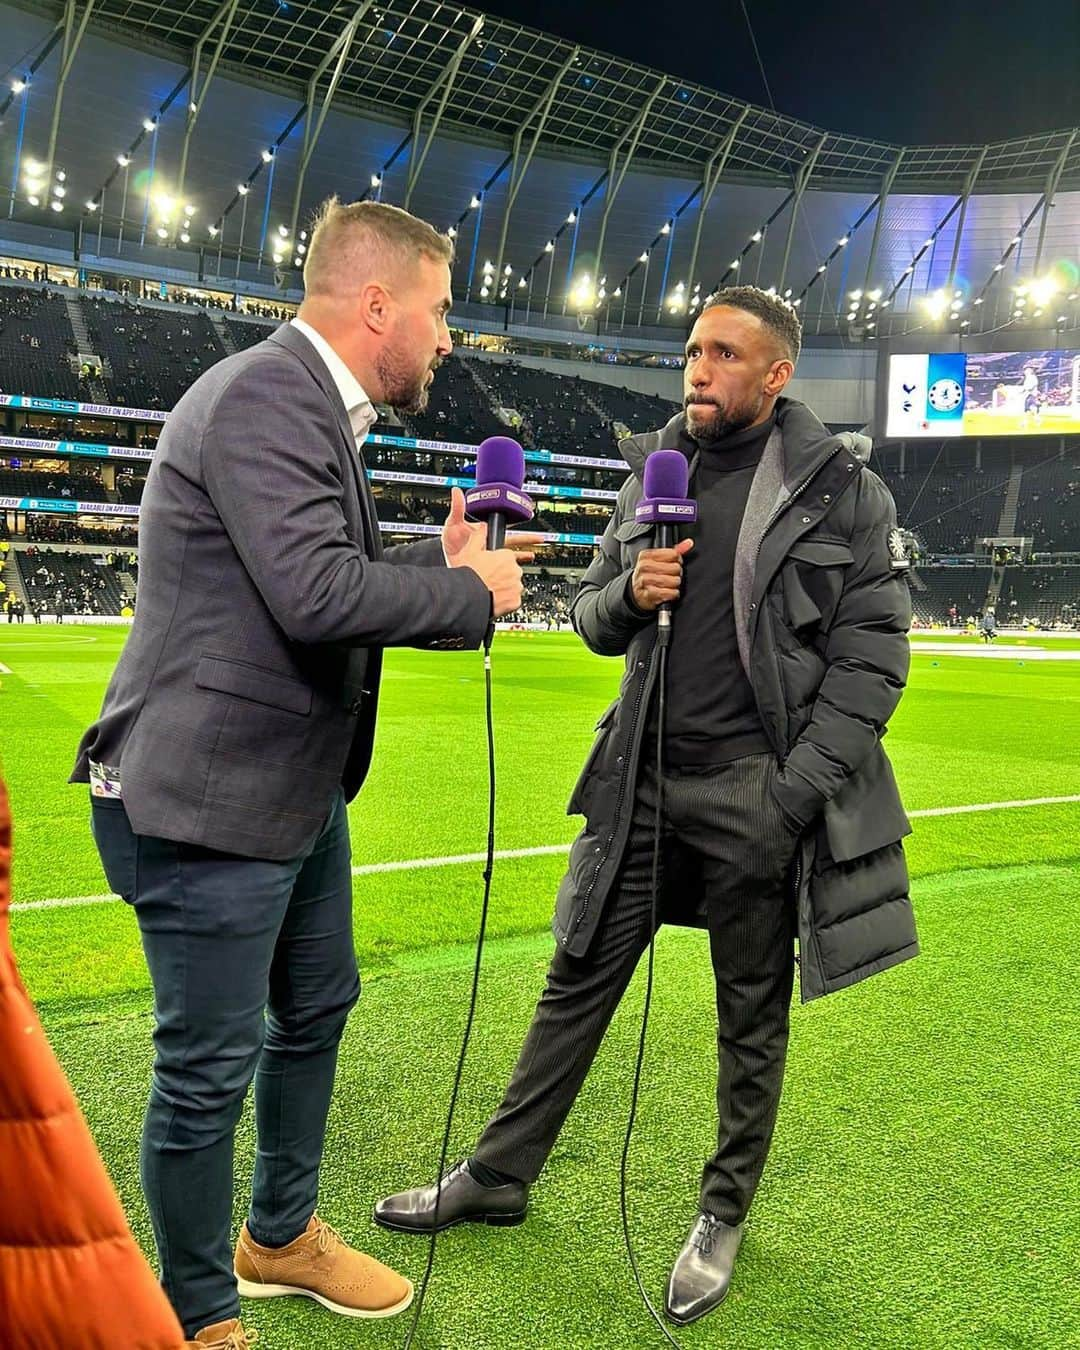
{"x": 657, "y": 577}
{"x": 465, "y": 545}
{"x": 665, "y": 505}
{"x": 497, "y": 500}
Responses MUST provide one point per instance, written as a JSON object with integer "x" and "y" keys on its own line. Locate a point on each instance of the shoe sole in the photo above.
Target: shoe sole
{"x": 493, "y": 1220}
{"x": 248, "y": 1289}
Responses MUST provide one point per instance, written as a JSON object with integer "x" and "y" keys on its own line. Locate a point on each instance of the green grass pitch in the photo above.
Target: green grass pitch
{"x": 922, "y": 1189}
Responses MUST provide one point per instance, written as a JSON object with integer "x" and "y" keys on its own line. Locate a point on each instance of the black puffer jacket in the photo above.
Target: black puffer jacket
{"x": 822, "y": 611}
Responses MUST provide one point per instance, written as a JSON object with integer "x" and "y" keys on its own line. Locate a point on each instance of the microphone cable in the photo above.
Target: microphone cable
{"x": 489, "y": 865}
{"x": 661, "y": 653}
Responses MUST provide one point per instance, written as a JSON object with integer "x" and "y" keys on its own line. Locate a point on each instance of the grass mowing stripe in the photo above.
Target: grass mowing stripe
{"x": 547, "y": 850}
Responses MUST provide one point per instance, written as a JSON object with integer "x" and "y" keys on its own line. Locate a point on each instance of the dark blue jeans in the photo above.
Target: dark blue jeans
{"x": 254, "y": 975}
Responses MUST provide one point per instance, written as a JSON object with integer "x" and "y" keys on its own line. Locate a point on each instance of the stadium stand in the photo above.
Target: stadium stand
{"x": 948, "y": 507}
{"x": 557, "y": 411}
{"x": 243, "y": 335}
{"x": 457, "y": 409}
{"x": 36, "y": 343}
{"x": 575, "y": 522}
{"x": 1049, "y": 509}
{"x": 936, "y": 590}
{"x": 84, "y": 585}
{"x": 47, "y": 529}
{"x": 1048, "y": 595}
{"x": 636, "y": 411}
{"x": 129, "y": 487}
{"x": 154, "y": 355}
{"x": 29, "y": 483}
{"x": 547, "y": 598}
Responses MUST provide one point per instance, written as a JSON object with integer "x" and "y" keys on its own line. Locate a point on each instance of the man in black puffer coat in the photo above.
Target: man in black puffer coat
{"x": 780, "y": 815}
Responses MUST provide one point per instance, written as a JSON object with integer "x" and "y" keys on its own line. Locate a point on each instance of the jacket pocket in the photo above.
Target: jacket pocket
{"x": 577, "y": 804}
{"x": 633, "y": 536}
{"x": 813, "y": 578}
{"x": 822, "y": 552}
{"x": 253, "y": 683}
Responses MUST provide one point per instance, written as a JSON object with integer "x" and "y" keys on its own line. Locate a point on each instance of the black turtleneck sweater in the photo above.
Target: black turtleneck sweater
{"x": 711, "y": 714}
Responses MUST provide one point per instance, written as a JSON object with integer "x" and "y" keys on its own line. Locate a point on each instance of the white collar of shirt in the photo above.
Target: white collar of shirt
{"x": 362, "y": 415}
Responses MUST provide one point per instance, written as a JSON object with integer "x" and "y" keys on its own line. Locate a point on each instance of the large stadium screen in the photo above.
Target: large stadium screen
{"x": 988, "y": 394}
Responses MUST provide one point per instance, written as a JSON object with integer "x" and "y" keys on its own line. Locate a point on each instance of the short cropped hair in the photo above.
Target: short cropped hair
{"x": 776, "y": 314}
{"x": 351, "y": 243}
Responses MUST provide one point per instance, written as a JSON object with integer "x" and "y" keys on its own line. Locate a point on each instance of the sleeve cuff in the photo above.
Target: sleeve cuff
{"x": 799, "y": 800}
{"x": 636, "y": 612}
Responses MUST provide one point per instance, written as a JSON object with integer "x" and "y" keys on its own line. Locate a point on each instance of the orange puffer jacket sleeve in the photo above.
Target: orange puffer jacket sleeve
{"x": 71, "y": 1276}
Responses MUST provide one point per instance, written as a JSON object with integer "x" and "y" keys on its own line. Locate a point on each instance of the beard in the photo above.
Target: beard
{"x": 710, "y": 420}
{"x": 404, "y": 387}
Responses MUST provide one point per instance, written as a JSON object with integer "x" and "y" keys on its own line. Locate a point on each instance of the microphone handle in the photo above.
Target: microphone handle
{"x": 496, "y": 530}
{"x": 667, "y": 536}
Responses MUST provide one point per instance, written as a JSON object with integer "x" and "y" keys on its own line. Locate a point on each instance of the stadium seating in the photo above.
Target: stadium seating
{"x": 1049, "y": 508}
{"x": 1049, "y": 595}
{"x": 154, "y": 355}
{"x": 948, "y": 507}
{"x": 27, "y": 483}
{"x": 457, "y": 409}
{"x": 36, "y": 344}
{"x": 640, "y": 412}
{"x": 964, "y": 587}
{"x": 547, "y": 598}
{"x": 244, "y": 335}
{"x": 87, "y": 587}
{"x": 558, "y": 410}
{"x": 49, "y": 529}
{"x": 130, "y": 488}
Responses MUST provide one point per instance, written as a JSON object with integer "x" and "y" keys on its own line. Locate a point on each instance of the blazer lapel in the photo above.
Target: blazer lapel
{"x": 294, "y": 341}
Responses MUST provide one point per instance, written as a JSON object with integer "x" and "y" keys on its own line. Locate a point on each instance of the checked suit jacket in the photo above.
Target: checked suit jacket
{"x": 246, "y": 694}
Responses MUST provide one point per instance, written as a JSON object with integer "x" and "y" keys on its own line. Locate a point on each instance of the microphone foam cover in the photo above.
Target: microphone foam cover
{"x": 500, "y": 459}
{"x": 667, "y": 474}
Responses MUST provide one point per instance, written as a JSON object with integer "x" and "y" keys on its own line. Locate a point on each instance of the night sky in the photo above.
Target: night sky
{"x": 914, "y": 73}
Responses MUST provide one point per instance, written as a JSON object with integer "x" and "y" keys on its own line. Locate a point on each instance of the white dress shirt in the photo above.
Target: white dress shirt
{"x": 360, "y": 410}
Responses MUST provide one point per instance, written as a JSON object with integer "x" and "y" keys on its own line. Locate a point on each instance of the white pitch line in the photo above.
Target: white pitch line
{"x": 4, "y": 670}
{"x": 544, "y": 850}
{"x": 992, "y": 806}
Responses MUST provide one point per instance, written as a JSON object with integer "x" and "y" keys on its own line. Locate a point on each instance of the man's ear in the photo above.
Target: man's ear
{"x": 779, "y": 374}
{"x": 374, "y": 306}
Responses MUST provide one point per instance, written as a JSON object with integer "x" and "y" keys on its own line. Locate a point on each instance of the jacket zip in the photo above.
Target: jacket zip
{"x": 785, "y": 504}
{"x": 768, "y": 526}
{"x": 621, "y": 796}
{"x": 777, "y": 513}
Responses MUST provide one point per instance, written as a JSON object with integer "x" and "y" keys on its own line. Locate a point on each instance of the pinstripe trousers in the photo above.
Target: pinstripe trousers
{"x": 726, "y": 825}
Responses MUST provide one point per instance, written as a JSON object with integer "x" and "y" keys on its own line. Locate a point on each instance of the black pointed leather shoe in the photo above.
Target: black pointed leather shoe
{"x": 462, "y": 1200}
{"x": 701, "y": 1275}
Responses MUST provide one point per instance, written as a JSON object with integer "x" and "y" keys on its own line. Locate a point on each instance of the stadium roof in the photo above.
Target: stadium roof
{"x": 620, "y": 147}
{"x": 402, "y": 47}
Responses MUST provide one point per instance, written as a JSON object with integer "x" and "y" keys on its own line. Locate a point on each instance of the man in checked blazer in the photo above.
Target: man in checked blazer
{"x": 239, "y": 722}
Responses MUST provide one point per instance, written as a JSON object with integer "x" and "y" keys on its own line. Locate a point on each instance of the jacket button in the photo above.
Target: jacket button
{"x": 753, "y": 605}
{"x": 806, "y": 520}
{"x": 355, "y": 707}
{"x": 826, "y": 498}
{"x": 851, "y": 468}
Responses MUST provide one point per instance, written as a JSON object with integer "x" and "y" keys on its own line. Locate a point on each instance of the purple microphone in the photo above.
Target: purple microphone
{"x": 497, "y": 496}
{"x": 665, "y": 505}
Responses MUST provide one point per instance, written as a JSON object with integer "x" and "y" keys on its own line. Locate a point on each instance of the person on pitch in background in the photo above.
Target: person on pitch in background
{"x": 780, "y": 812}
{"x": 238, "y": 723}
